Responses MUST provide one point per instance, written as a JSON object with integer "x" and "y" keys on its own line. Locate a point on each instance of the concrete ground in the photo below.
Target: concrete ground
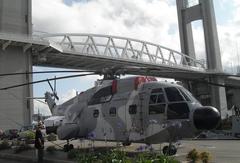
{"x": 8, "y": 161}
{"x": 222, "y": 151}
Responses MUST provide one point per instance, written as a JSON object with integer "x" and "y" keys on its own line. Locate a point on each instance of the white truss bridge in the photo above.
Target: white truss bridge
{"x": 94, "y": 52}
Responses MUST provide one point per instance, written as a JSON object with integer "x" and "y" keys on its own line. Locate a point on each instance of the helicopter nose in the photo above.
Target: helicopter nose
{"x": 206, "y": 118}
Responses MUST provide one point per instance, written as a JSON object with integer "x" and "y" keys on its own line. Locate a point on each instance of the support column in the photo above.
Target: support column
{"x": 15, "y": 108}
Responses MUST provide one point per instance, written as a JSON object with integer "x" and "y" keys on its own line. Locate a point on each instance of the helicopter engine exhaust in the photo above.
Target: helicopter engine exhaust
{"x": 206, "y": 118}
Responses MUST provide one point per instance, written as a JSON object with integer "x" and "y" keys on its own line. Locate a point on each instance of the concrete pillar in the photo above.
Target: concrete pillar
{"x": 15, "y": 108}
{"x": 186, "y": 36}
{"x": 203, "y": 11}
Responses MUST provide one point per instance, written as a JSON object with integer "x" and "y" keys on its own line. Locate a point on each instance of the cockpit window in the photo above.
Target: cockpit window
{"x": 157, "y": 102}
{"x": 189, "y": 94}
{"x": 173, "y": 94}
{"x": 101, "y": 96}
{"x": 185, "y": 95}
{"x": 153, "y": 99}
{"x": 178, "y": 111}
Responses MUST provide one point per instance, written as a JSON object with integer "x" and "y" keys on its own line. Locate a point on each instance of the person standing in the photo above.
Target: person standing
{"x": 39, "y": 143}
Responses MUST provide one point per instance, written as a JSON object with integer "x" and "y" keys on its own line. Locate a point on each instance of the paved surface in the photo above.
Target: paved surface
{"x": 8, "y": 161}
{"x": 222, "y": 151}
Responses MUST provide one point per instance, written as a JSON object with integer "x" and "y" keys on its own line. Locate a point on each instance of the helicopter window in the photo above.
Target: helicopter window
{"x": 113, "y": 111}
{"x": 160, "y": 98}
{"x": 178, "y": 111}
{"x": 101, "y": 96}
{"x": 133, "y": 109}
{"x": 95, "y": 113}
{"x": 173, "y": 94}
{"x": 157, "y": 102}
{"x": 157, "y": 109}
{"x": 157, "y": 96}
{"x": 153, "y": 99}
{"x": 185, "y": 95}
{"x": 158, "y": 90}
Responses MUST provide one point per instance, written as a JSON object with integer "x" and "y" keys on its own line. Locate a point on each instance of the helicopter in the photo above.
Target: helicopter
{"x": 133, "y": 109}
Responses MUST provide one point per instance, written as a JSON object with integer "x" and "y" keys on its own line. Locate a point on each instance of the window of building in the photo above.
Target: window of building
{"x": 173, "y": 94}
{"x": 101, "y": 96}
{"x": 112, "y": 111}
{"x": 157, "y": 102}
{"x": 133, "y": 109}
{"x": 95, "y": 113}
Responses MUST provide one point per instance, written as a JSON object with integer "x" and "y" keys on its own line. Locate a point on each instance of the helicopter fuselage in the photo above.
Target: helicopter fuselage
{"x": 135, "y": 109}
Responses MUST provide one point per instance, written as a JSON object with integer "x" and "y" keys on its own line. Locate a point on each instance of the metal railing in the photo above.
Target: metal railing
{"x": 121, "y": 48}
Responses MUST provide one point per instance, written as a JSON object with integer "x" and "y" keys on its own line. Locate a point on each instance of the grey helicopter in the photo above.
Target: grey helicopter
{"x": 133, "y": 109}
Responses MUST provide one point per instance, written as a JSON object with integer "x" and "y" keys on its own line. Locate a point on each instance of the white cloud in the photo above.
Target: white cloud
{"x": 150, "y": 20}
{"x": 229, "y": 38}
{"x": 41, "y": 107}
{"x": 66, "y": 96}
{"x": 146, "y": 20}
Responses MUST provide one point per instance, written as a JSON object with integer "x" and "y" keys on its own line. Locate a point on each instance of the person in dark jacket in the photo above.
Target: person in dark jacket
{"x": 39, "y": 143}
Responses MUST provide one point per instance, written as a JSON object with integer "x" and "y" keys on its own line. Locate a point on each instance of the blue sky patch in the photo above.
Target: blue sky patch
{"x": 70, "y": 2}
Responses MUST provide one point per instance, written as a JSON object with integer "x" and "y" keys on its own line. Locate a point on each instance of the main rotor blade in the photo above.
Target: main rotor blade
{"x": 44, "y": 72}
{"x": 45, "y": 80}
{"x": 55, "y": 92}
{"x": 214, "y": 84}
{"x": 50, "y": 85}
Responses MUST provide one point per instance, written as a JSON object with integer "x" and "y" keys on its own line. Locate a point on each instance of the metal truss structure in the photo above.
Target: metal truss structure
{"x": 93, "y": 52}
{"x": 121, "y": 48}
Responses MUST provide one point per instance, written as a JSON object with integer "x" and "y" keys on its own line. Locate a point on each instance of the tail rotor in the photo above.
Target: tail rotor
{"x": 54, "y": 92}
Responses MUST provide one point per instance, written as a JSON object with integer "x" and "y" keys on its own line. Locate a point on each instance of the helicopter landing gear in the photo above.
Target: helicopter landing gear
{"x": 126, "y": 143}
{"x": 68, "y": 147}
{"x": 169, "y": 150}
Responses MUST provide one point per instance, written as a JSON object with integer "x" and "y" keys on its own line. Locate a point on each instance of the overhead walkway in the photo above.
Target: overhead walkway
{"x": 95, "y": 52}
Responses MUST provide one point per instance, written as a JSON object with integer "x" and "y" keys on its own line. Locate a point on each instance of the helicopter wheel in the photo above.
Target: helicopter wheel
{"x": 68, "y": 147}
{"x": 127, "y": 143}
{"x": 71, "y": 147}
{"x": 169, "y": 150}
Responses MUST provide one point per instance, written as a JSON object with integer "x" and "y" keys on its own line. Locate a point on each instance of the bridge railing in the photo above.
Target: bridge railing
{"x": 121, "y": 48}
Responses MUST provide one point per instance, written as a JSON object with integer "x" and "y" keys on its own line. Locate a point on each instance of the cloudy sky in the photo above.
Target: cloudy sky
{"x": 151, "y": 20}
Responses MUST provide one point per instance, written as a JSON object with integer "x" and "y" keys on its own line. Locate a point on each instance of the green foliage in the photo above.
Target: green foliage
{"x": 72, "y": 154}
{"x": 51, "y": 149}
{"x": 205, "y": 157}
{"x": 193, "y": 155}
{"x": 4, "y": 145}
{"x": 118, "y": 156}
{"x": 150, "y": 157}
{"x": 52, "y": 137}
{"x": 28, "y": 135}
{"x": 86, "y": 158}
